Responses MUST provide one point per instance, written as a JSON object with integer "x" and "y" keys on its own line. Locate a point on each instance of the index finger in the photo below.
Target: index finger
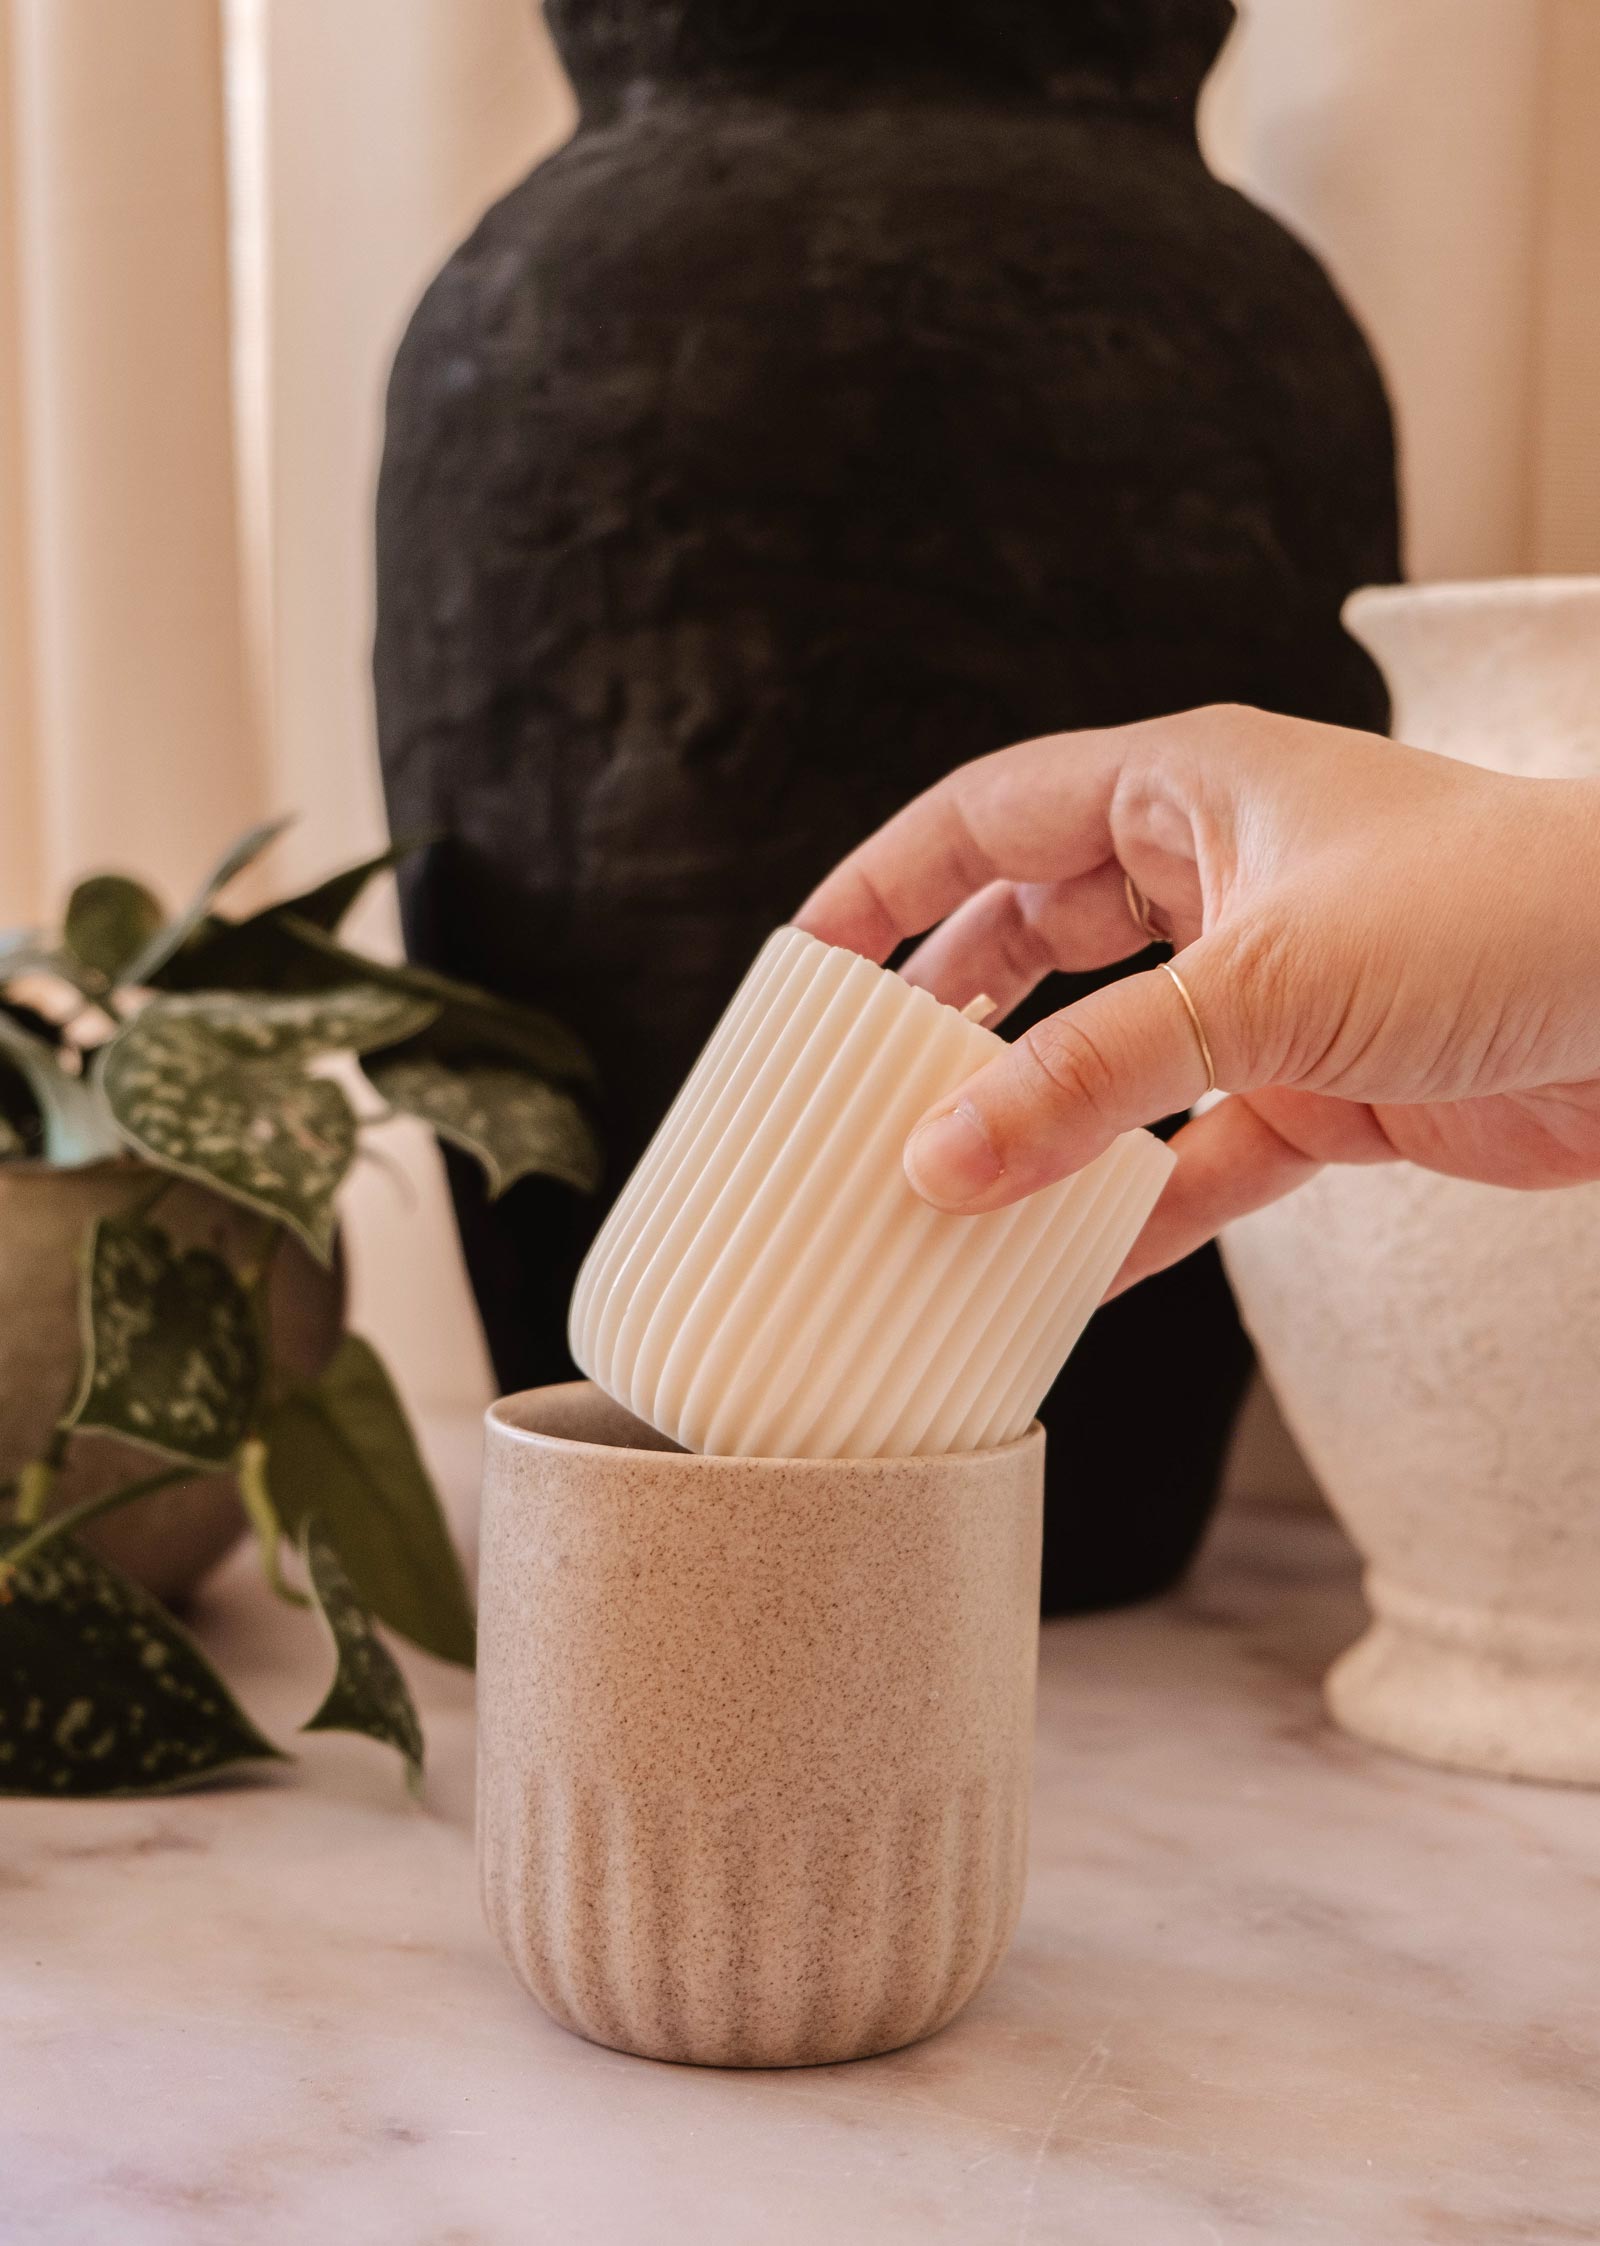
{"x": 1039, "y": 812}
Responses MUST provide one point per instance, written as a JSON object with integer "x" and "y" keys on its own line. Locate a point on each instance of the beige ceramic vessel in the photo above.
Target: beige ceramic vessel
{"x": 1435, "y": 1344}
{"x": 755, "y": 1734}
{"x": 171, "y": 1541}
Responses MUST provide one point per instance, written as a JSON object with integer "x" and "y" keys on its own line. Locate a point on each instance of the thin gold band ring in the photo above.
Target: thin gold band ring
{"x": 1139, "y": 906}
{"x": 1201, "y": 1039}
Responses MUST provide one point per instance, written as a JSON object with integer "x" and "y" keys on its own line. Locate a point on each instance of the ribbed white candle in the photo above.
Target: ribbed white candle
{"x": 768, "y": 1285}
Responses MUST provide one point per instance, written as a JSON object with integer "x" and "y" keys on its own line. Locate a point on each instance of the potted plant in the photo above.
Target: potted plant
{"x": 176, "y": 1121}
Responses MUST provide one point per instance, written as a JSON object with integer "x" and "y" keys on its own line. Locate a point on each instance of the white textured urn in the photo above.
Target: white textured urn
{"x": 1435, "y": 1345}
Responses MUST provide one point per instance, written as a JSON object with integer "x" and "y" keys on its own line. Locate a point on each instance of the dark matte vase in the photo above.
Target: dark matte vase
{"x": 866, "y": 385}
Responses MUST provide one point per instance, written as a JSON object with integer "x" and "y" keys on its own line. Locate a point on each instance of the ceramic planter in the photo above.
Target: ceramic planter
{"x": 755, "y": 1734}
{"x": 170, "y": 1541}
{"x": 1435, "y": 1345}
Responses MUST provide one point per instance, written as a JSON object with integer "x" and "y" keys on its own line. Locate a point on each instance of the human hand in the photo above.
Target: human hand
{"x": 1393, "y": 955}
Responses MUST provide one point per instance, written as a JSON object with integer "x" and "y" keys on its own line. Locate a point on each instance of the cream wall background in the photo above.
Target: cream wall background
{"x": 215, "y": 215}
{"x": 1443, "y": 156}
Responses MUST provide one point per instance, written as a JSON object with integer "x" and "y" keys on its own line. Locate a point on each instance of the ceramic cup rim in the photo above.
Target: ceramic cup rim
{"x": 501, "y": 1427}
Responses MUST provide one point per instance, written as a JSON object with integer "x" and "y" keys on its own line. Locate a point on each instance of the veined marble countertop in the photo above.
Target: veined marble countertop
{"x": 1270, "y": 1989}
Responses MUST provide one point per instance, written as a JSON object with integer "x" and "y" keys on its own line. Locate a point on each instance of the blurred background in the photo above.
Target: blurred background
{"x": 215, "y": 218}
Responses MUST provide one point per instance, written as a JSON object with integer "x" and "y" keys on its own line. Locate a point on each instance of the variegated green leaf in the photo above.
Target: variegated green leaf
{"x": 172, "y": 1356}
{"x": 342, "y": 1449}
{"x": 74, "y": 1119}
{"x": 288, "y": 950}
{"x": 167, "y": 942}
{"x": 219, "y": 1088}
{"x": 110, "y": 920}
{"x": 368, "y": 1693}
{"x": 351, "y": 1018}
{"x": 514, "y": 1123}
{"x": 103, "y": 1693}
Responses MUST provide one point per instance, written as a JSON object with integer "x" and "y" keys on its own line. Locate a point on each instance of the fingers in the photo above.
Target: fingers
{"x": 1038, "y": 813}
{"x": 1241, "y": 1154}
{"x": 1230, "y": 1160}
{"x": 1007, "y": 938}
{"x": 1123, "y": 1056}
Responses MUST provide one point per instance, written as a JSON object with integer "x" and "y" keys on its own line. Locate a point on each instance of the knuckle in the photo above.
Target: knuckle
{"x": 1019, "y": 954}
{"x": 1233, "y": 718}
{"x": 1025, "y": 947}
{"x": 1234, "y": 728}
{"x": 876, "y": 905}
{"x": 1077, "y": 1074}
{"x": 1208, "y": 723}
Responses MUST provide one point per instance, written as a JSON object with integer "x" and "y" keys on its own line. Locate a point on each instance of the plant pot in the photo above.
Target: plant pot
{"x": 861, "y": 388}
{"x": 169, "y": 1541}
{"x": 1434, "y": 1344}
{"x": 755, "y": 1735}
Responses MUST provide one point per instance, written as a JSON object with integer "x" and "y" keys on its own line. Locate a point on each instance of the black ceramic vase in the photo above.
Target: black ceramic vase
{"x": 869, "y": 383}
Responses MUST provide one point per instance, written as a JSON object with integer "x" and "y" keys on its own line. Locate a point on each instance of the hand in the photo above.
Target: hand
{"x": 1393, "y": 954}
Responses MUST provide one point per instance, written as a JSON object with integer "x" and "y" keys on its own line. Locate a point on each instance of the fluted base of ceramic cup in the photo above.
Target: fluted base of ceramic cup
{"x": 1508, "y": 1695}
{"x": 755, "y": 1734}
{"x": 695, "y": 1931}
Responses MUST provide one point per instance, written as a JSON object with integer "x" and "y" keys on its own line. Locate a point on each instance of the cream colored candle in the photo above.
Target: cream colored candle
{"x": 768, "y": 1285}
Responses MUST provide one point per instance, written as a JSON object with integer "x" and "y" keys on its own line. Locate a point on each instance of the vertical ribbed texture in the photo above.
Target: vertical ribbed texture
{"x": 693, "y": 1930}
{"x": 768, "y": 1285}
{"x": 755, "y": 1735}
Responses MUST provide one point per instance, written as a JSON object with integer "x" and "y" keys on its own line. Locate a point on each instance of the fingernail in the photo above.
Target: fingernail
{"x": 950, "y": 1160}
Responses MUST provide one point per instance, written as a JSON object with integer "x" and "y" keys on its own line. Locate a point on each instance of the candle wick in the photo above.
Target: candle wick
{"x": 978, "y": 1009}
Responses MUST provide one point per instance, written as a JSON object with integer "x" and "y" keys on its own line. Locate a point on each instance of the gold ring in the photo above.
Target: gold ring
{"x": 1139, "y": 906}
{"x": 1167, "y": 968}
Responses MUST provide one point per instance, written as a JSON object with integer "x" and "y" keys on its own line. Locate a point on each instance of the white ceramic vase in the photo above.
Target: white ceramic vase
{"x": 1435, "y": 1345}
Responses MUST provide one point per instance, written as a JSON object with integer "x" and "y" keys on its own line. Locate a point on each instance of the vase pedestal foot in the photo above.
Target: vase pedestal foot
{"x": 1511, "y": 1695}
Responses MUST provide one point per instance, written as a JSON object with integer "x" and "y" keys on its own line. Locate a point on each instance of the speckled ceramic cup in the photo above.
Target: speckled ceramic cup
{"x": 754, "y": 1734}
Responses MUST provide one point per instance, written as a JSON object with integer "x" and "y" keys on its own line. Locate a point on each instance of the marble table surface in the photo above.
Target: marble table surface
{"x": 1269, "y": 1987}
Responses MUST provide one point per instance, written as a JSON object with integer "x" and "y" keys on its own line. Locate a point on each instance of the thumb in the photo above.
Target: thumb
{"x": 1124, "y": 1056}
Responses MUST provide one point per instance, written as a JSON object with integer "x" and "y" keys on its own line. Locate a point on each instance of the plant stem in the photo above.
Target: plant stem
{"x": 146, "y": 1199}
{"x": 263, "y": 1516}
{"x": 34, "y": 1484}
{"x": 256, "y": 1269}
{"x": 38, "y": 1478}
{"x": 75, "y": 1516}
